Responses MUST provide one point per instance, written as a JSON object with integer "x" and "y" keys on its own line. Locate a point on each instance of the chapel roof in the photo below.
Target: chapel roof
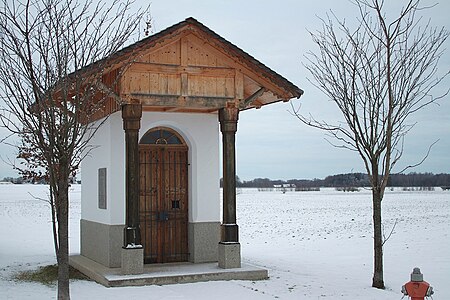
{"x": 260, "y": 84}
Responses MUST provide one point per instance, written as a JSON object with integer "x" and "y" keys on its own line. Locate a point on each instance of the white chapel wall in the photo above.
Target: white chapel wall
{"x": 201, "y": 133}
{"x": 108, "y": 153}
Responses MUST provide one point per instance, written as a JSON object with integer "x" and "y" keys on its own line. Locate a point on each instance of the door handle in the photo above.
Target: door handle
{"x": 163, "y": 216}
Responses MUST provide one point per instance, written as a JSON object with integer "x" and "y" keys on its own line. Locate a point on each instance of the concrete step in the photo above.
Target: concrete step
{"x": 162, "y": 274}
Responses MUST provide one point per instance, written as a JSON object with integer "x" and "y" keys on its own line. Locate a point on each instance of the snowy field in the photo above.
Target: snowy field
{"x": 316, "y": 245}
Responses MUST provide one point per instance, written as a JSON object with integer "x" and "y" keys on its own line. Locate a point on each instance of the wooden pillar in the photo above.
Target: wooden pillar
{"x": 131, "y": 115}
{"x": 228, "y": 118}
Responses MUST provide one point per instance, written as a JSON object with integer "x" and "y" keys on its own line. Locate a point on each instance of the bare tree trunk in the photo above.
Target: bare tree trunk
{"x": 54, "y": 221}
{"x": 377, "y": 280}
{"x": 63, "y": 237}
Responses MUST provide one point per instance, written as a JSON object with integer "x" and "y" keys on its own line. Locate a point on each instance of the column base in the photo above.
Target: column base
{"x": 132, "y": 261}
{"x": 230, "y": 233}
{"x": 229, "y": 255}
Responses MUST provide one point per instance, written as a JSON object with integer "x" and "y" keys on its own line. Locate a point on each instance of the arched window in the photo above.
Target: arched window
{"x": 161, "y": 136}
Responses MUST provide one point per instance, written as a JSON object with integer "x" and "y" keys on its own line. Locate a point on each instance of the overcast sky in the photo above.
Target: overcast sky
{"x": 270, "y": 141}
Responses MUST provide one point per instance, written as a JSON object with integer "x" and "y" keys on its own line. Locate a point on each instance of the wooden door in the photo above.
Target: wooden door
{"x": 164, "y": 203}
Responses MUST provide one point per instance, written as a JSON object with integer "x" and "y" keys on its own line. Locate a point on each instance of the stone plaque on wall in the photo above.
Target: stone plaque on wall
{"x": 102, "y": 188}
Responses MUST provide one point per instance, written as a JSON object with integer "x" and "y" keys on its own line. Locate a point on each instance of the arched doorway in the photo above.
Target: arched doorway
{"x": 164, "y": 196}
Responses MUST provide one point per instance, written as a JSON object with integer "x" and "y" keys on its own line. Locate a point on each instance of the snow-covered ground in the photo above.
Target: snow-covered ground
{"x": 316, "y": 245}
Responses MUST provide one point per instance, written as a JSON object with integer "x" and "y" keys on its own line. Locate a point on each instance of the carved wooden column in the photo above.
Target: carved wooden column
{"x": 229, "y": 247}
{"x": 132, "y": 254}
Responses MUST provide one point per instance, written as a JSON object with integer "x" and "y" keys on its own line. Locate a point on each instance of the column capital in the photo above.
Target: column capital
{"x": 228, "y": 118}
{"x": 131, "y": 116}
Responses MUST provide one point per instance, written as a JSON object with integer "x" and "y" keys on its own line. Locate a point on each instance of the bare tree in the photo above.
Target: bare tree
{"x": 50, "y": 101}
{"x": 378, "y": 74}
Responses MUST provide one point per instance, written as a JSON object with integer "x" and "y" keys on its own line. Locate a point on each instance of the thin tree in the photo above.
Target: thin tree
{"x": 378, "y": 74}
{"x": 48, "y": 100}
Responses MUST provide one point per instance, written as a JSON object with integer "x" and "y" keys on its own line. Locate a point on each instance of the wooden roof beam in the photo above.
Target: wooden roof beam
{"x": 104, "y": 88}
{"x": 178, "y": 109}
{"x": 182, "y": 102}
{"x": 252, "y": 98}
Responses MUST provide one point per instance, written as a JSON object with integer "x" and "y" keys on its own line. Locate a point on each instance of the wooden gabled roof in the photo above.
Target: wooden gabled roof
{"x": 188, "y": 67}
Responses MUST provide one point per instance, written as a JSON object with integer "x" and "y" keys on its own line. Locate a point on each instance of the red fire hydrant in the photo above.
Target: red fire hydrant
{"x": 417, "y": 288}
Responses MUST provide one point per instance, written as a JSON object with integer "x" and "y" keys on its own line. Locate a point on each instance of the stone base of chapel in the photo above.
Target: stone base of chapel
{"x": 103, "y": 243}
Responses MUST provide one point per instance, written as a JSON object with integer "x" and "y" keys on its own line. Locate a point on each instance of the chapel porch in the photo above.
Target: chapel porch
{"x": 163, "y": 274}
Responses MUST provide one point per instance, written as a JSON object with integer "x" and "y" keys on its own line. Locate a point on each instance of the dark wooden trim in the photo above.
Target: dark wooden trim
{"x": 177, "y": 109}
{"x": 178, "y": 101}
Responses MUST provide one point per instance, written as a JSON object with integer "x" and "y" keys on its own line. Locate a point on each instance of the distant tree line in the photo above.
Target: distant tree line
{"x": 352, "y": 180}
{"x": 22, "y": 180}
{"x": 18, "y": 180}
{"x": 340, "y": 180}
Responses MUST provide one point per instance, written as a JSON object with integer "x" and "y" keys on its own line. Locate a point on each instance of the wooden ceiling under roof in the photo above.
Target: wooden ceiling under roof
{"x": 189, "y": 68}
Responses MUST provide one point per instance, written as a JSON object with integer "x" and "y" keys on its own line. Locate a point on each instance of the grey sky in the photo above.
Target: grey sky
{"x": 270, "y": 141}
